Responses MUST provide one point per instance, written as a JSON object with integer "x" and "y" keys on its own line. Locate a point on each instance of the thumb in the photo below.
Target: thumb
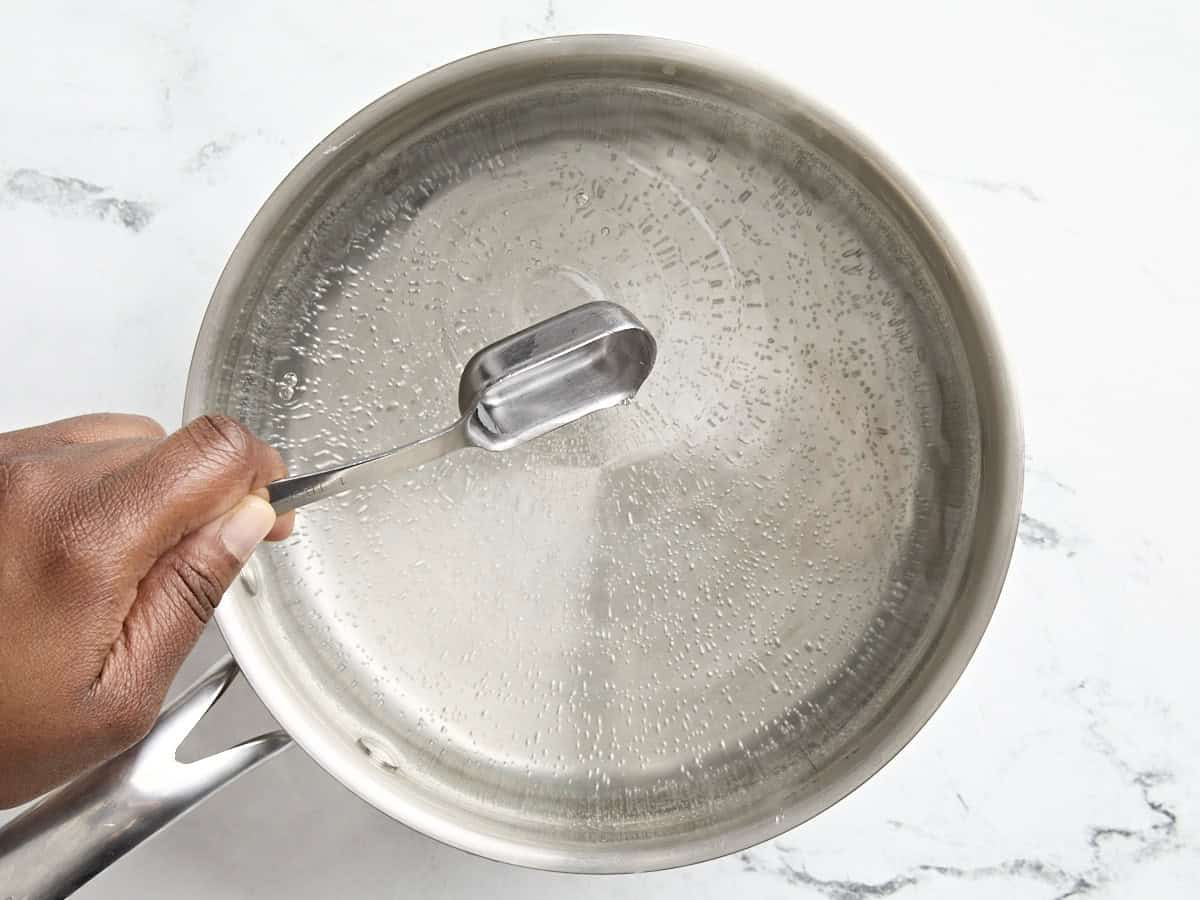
{"x": 177, "y": 597}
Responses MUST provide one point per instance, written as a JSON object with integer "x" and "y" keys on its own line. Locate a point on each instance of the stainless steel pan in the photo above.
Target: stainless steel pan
{"x": 676, "y": 629}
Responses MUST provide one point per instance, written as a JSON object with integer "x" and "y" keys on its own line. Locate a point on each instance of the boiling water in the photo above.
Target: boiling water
{"x": 694, "y": 599}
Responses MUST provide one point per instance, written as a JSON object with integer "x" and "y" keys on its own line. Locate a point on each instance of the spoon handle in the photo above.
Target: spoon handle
{"x": 300, "y": 490}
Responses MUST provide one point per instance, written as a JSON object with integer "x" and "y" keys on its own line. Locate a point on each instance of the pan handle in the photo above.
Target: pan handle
{"x": 74, "y": 833}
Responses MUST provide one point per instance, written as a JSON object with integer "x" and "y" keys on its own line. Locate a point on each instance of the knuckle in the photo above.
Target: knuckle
{"x": 194, "y": 587}
{"x": 20, "y": 477}
{"x": 221, "y": 436}
{"x": 71, "y": 531}
{"x": 54, "y": 520}
{"x": 83, "y": 429}
{"x": 106, "y": 426}
{"x": 146, "y": 426}
{"x": 108, "y": 492}
{"x": 6, "y": 482}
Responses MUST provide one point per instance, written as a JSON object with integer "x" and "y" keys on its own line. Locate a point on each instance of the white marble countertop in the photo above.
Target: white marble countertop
{"x": 1061, "y": 142}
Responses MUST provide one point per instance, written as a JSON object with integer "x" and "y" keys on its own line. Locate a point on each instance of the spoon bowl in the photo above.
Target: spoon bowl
{"x": 589, "y": 358}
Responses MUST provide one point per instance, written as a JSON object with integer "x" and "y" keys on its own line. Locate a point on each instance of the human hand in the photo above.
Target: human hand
{"x": 116, "y": 543}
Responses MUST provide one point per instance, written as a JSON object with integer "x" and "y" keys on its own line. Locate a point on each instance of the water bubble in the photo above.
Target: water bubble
{"x": 285, "y": 387}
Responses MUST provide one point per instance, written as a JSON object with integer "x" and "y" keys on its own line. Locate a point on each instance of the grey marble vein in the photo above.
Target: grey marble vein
{"x": 76, "y": 196}
{"x": 795, "y": 874}
{"x": 1111, "y": 847}
{"x": 1036, "y": 533}
{"x": 209, "y": 153}
{"x": 993, "y": 186}
{"x": 1035, "y": 472}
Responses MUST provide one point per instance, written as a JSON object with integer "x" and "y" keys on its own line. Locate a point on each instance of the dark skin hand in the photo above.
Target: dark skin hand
{"x": 116, "y": 543}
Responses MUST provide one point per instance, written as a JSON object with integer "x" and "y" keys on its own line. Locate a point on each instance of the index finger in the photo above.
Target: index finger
{"x": 190, "y": 478}
{"x": 89, "y": 429}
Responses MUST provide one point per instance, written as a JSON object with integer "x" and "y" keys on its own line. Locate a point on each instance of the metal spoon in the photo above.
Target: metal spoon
{"x": 521, "y": 387}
